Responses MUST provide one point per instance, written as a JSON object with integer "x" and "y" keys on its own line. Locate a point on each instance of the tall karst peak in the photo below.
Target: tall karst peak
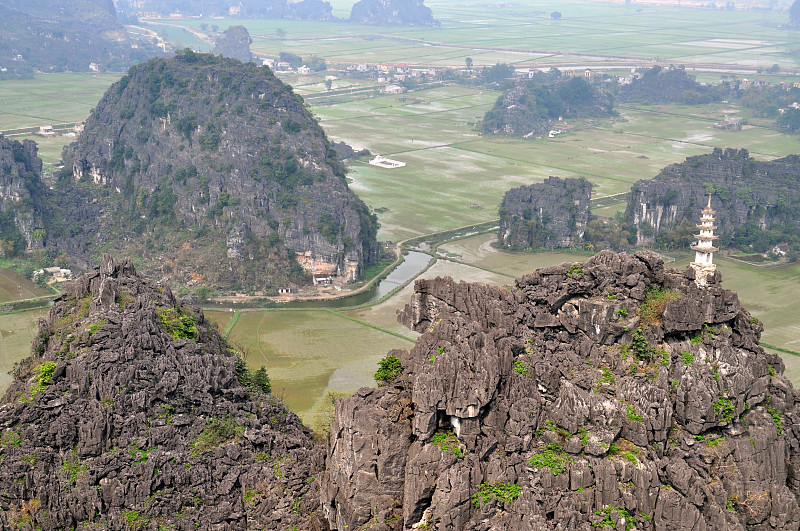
{"x": 205, "y": 167}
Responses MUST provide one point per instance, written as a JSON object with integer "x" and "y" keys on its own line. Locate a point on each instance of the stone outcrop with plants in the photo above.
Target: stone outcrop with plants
{"x": 531, "y": 108}
{"x": 757, "y": 203}
{"x": 610, "y": 394}
{"x": 133, "y": 413}
{"x": 546, "y": 215}
{"x": 392, "y": 13}
{"x": 212, "y": 171}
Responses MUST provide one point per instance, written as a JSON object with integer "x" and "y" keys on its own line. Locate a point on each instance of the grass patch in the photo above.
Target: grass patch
{"x": 655, "y": 300}
{"x": 178, "y": 323}
{"x": 447, "y": 442}
{"x": 503, "y": 492}
{"x": 553, "y": 457}
{"x": 216, "y": 432}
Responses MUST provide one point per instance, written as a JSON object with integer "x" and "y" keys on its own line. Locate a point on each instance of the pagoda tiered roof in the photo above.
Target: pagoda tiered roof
{"x": 709, "y": 249}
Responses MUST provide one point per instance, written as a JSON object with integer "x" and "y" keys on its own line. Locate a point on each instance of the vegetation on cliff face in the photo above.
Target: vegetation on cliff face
{"x": 531, "y": 107}
{"x": 392, "y": 12}
{"x": 757, "y": 203}
{"x": 545, "y": 215}
{"x": 207, "y": 169}
{"x": 51, "y": 35}
{"x": 610, "y": 394}
{"x": 133, "y": 413}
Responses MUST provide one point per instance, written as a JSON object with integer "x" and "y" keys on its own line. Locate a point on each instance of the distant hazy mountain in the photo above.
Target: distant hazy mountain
{"x": 392, "y": 12}
{"x": 305, "y": 10}
{"x": 52, "y": 35}
{"x": 234, "y": 43}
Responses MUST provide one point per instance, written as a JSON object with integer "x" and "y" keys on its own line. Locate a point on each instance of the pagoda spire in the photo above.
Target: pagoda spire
{"x": 704, "y": 249}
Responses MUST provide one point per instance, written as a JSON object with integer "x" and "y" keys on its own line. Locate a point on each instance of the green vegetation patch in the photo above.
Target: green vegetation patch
{"x": 502, "y": 491}
{"x": 178, "y": 323}
{"x": 655, "y": 300}
{"x": 724, "y": 409}
{"x": 217, "y": 432}
{"x": 608, "y": 522}
{"x": 447, "y": 441}
{"x": 521, "y": 368}
{"x": 776, "y": 415}
{"x": 257, "y": 380}
{"x": 633, "y": 415}
{"x": 553, "y": 457}
{"x": 389, "y": 369}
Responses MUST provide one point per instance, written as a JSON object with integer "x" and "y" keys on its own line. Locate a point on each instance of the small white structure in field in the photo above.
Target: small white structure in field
{"x": 94, "y": 67}
{"x": 383, "y": 162}
{"x": 553, "y": 133}
{"x": 47, "y": 130}
{"x": 703, "y": 264}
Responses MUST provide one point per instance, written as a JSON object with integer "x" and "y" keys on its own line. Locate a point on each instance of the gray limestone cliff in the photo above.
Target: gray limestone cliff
{"x": 22, "y": 209}
{"x": 133, "y": 413}
{"x": 211, "y": 170}
{"x": 756, "y": 202}
{"x": 546, "y": 215}
{"x": 609, "y": 394}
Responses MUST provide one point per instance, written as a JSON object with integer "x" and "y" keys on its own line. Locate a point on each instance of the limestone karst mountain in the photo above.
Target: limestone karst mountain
{"x": 133, "y": 413}
{"x": 611, "y": 394}
{"x": 207, "y": 169}
{"x": 546, "y": 215}
{"x": 756, "y": 201}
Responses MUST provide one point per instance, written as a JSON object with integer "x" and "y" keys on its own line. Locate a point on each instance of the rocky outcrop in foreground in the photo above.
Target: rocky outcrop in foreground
{"x": 131, "y": 413}
{"x": 550, "y": 214}
{"x": 611, "y": 394}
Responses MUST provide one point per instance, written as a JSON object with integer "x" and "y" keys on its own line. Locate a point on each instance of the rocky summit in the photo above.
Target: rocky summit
{"x": 211, "y": 171}
{"x": 133, "y": 413}
{"x": 611, "y": 394}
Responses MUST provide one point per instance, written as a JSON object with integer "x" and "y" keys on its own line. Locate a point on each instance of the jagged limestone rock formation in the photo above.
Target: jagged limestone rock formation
{"x": 392, "y": 13}
{"x": 613, "y": 393}
{"x": 207, "y": 168}
{"x": 533, "y": 107}
{"x": 756, "y": 202}
{"x": 550, "y": 214}
{"x": 130, "y": 414}
{"x": 22, "y": 210}
{"x": 234, "y": 43}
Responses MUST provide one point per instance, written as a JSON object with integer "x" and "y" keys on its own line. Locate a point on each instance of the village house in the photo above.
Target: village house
{"x": 392, "y": 89}
{"x": 56, "y": 274}
{"x": 304, "y": 70}
{"x": 268, "y": 62}
{"x": 47, "y": 130}
{"x": 322, "y": 279}
{"x": 94, "y": 67}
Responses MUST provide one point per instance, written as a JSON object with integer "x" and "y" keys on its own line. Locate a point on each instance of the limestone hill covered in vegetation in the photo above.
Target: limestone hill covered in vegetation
{"x": 213, "y": 171}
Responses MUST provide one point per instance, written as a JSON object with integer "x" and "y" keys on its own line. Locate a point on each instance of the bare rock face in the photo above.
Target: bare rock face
{"x": 550, "y": 214}
{"x": 613, "y": 393}
{"x": 22, "y": 206}
{"x": 130, "y": 414}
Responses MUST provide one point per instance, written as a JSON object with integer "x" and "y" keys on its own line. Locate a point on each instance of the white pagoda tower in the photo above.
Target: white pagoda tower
{"x": 703, "y": 264}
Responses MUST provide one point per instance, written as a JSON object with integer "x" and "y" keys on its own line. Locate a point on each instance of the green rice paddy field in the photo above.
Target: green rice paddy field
{"x": 522, "y": 33}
